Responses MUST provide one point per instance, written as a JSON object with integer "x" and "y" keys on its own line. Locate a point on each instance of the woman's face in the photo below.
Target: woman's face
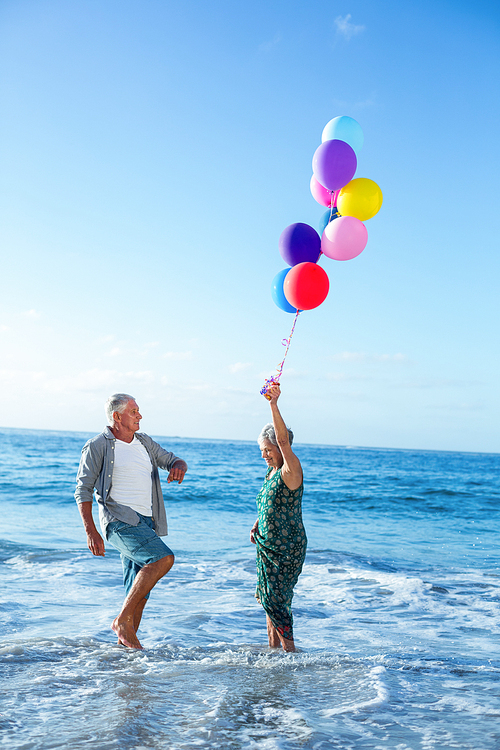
{"x": 271, "y": 454}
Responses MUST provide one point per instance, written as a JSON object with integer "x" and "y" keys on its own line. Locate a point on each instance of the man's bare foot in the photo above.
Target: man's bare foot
{"x": 126, "y": 633}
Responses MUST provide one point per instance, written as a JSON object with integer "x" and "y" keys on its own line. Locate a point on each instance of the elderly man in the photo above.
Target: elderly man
{"x": 121, "y": 465}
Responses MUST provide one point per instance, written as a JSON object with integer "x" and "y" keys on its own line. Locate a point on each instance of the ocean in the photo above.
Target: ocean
{"x": 397, "y": 611}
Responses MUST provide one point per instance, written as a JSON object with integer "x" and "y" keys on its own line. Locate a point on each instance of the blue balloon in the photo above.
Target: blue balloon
{"x": 327, "y": 217}
{"x": 278, "y": 294}
{"x": 346, "y": 129}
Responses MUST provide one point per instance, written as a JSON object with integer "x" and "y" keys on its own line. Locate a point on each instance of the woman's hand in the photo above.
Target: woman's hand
{"x": 254, "y": 530}
{"x": 273, "y": 394}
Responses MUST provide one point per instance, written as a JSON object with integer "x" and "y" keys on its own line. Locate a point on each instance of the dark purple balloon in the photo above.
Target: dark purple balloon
{"x": 334, "y": 164}
{"x": 300, "y": 243}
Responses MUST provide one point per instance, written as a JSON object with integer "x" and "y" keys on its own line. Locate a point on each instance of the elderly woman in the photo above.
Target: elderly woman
{"x": 278, "y": 532}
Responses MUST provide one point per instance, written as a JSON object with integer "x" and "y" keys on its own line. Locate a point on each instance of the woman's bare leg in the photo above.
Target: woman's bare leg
{"x": 276, "y": 639}
{"x": 272, "y": 634}
{"x": 287, "y": 643}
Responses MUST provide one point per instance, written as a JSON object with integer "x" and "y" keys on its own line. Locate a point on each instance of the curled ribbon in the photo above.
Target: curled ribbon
{"x": 275, "y": 379}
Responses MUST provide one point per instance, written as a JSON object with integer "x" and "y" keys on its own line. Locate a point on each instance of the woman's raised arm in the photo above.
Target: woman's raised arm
{"x": 291, "y": 471}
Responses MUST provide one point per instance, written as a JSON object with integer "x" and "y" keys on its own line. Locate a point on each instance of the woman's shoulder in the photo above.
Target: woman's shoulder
{"x": 283, "y": 481}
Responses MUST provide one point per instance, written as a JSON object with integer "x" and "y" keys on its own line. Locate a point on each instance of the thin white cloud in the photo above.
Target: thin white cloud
{"x": 178, "y": 356}
{"x": 87, "y": 381}
{"x": 363, "y": 358}
{"x": 124, "y": 347}
{"x": 460, "y": 406}
{"x": 339, "y": 377}
{"x": 271, "y": 44}
{"x": 427, "y": 383}
{"x": 346, "y": 28}
{"x": 343, "y": 105}
{"x": 32, "y": 314}
{"x": 239, "y": 367}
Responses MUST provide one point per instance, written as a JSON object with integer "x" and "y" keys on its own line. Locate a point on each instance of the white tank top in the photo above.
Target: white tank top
{"x": 132, "y": 483}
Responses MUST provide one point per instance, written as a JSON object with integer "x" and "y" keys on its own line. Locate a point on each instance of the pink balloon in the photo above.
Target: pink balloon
{"x": 322, "y": 195}
{"x": 344, "y": 238}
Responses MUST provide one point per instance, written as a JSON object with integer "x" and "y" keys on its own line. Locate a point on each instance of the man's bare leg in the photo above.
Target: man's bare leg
{"x": 131, "y": 612}
{"x": 138, "y": 613}
{"x": 137, "y": 616}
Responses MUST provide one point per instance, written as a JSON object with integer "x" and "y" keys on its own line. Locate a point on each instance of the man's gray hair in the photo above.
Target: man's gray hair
{"x": 268, "y": 433}
{"x": 116, "y": 402}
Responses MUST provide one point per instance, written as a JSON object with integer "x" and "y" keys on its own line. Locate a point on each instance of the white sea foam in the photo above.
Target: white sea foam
{"x": 373, "y": 683}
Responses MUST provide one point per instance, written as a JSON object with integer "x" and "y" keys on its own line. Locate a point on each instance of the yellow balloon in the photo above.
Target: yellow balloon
{"x": 361, "y": 198}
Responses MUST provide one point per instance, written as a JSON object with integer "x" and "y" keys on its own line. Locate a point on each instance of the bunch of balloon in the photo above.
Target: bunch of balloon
{"x": 342, "y": 233}
{"x": 303, "y": 286}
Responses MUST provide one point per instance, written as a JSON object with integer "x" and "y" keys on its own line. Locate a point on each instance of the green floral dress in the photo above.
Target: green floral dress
{"x": 281, "y": 548}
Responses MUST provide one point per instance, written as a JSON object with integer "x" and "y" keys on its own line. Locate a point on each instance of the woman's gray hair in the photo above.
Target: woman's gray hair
{"x": 268, "y": 433}
{"x": 116, "y": 402}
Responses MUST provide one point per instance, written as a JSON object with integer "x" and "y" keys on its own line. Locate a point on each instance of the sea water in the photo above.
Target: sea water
{"x": 397, "y": 611}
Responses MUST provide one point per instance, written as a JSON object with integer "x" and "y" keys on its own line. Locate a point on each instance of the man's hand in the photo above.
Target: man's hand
{"x": 95, "y": 543}
{"x": 177, "y": 472}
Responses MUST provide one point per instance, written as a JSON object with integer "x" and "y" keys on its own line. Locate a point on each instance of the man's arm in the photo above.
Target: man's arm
{"x": 90, "y": 467}
{"x": 166, "y": 459}
{"x": 95, "y": 541}
{"x": 178, "y": 470}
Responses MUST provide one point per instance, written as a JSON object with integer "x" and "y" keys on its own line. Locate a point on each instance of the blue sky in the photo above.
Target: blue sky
{"x": 153, "y": 152}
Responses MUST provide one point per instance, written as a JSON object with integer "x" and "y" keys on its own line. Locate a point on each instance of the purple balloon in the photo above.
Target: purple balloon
{"x": 300, "y": 243}
{"x": 334, "y": 164}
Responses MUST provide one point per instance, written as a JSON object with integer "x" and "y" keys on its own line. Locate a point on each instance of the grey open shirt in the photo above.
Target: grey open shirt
{"x": 96, "y": 473}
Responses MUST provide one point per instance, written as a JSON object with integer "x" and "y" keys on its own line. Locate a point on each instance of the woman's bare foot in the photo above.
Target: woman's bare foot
{"x": 288, "y": 645}
{"x": 124, "y": 629}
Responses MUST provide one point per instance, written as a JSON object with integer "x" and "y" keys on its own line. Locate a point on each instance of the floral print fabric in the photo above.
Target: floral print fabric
{"x": 281, "y": 547}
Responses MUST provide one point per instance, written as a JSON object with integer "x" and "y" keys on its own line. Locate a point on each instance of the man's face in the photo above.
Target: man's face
{"x": 130, "y": 417}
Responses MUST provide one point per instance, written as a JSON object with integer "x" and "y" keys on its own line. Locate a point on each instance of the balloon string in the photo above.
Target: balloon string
{"x": 332, "y": 194}
{"x": 275, "y": 379}
{"x": 333, "y": 197}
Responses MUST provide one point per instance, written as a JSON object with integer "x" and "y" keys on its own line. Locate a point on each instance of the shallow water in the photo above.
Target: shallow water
{"x": 396, "y": 612}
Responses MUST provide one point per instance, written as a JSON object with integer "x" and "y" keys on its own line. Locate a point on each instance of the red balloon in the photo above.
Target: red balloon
{"x": 306, "y": 286}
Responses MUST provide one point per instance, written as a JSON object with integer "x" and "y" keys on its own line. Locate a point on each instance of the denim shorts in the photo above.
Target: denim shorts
{"x": 138, "y": 546}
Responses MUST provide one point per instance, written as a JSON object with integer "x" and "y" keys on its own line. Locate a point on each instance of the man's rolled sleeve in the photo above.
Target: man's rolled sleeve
{"x": 164, "y": 459}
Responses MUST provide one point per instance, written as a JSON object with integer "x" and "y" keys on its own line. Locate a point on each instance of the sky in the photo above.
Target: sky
{"x": 151, "y": 154}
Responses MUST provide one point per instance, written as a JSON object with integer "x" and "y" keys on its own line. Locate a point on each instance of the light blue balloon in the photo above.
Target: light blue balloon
{"x": 346, "y": 129}
{"x": 327, "y": 217}
{"x": 278, "y": 294}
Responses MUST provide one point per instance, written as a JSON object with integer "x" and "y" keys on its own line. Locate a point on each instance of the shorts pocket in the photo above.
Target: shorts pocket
{"x": 115, "y": 526}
